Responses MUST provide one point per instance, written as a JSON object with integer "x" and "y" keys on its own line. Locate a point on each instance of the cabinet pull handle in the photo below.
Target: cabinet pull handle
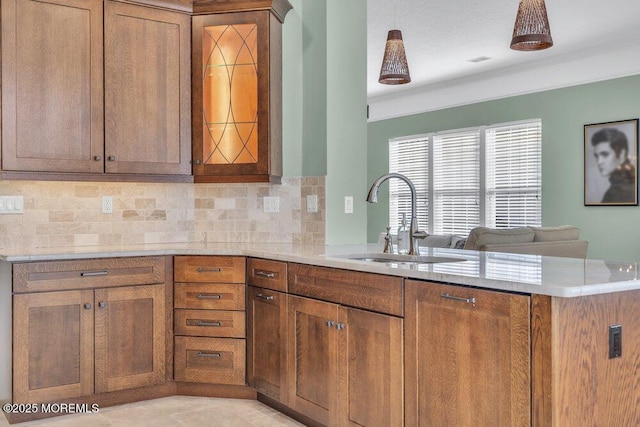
{"x": 208, "y": 270}
{"x": 102, "y": 304}
{"x": 465, "y": 300}
{"x": 201, "y": 323}
{"x": 340, "y": 326}
{"x": 208, "y": 296}
{"x": 94, "y": 273}
{"x": 265, "y": 297}
{"x": 205, "y": 354}
{"x": 97, "y": 158}
{"x": 111, "y": 158}
{"x": 267, "y": 274}
{"x": 87, "y": 306}
{"x": 330, "y": 323}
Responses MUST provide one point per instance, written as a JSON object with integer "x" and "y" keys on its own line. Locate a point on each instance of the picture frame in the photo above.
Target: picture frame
{"x": 611, "y": 163}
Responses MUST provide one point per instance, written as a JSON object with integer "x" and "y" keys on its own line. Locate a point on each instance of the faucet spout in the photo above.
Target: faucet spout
{"x": 372, "y": 197}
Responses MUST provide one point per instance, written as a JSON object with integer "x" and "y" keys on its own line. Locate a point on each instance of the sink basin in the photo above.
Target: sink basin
{"x": 404, "y": 259}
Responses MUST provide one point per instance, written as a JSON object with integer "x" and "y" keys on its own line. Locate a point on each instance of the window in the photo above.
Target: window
{"x": 465, "y": 178}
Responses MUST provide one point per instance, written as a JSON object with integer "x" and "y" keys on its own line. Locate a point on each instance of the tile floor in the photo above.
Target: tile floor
{"x": 174, "y": 411}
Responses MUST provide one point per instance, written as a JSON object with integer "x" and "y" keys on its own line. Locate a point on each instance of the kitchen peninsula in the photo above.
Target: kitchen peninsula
{"x": 525, "y": 339}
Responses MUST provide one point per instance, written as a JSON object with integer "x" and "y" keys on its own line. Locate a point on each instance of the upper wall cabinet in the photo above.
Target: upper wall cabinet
{"x": 62, "y": 113}
{"x": 147, "y": 90}
{"x": 237, "y": 96}
{"x": 52, "y": 85}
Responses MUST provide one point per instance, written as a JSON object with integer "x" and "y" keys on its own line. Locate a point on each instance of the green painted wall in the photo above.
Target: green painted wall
{"x": 292, "y": 93}
{"x": 346, "y": 120}
{"x": 613, "y": 232}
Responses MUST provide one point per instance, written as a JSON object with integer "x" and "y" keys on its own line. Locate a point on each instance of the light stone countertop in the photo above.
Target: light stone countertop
{"x": 563, "y": 277}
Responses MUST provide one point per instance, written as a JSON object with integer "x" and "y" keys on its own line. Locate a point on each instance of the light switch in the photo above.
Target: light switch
{"x": 348, "y": 204}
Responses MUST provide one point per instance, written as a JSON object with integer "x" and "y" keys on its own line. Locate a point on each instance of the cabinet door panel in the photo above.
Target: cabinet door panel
{"x": 52, "y": 346}
{"x": 267, "y": 342}
{"x": 52, "y": 85}
{"x": 312, "y": 358}
{"x": 147, "y": 90}
{"x": 130, "y": 337}
{"x": 467, "y": 362}
{"x": 370, "y": 369}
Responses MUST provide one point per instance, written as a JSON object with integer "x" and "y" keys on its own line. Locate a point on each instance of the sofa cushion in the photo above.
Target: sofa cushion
{"x": 481, "y": 236}
{"x": 552, "y": 234}
{"x": 436, "y": 241}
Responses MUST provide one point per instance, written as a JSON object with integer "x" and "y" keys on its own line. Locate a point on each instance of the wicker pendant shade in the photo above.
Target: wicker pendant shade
{"x": 395, "y": 70}
{"x": 531, "y": 30}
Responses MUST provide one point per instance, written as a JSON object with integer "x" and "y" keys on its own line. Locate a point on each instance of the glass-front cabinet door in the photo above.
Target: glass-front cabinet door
{"x": 237, "y": 104}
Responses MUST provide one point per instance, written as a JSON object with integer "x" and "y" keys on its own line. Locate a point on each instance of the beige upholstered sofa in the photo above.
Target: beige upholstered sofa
{"x": 562, "y": 241}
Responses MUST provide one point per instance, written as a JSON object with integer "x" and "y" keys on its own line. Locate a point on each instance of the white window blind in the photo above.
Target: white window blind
{"x": 489, "y": 176}
{"x": 456, "y": 182}
{"x": 409, "y": 158}
{"x": 513, "y": 175}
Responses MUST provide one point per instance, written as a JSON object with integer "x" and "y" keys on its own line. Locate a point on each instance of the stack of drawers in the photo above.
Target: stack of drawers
{"x": 210, "y": 327}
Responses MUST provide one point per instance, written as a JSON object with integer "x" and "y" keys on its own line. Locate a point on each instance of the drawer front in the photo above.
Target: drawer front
{"x": 210, "y": 360}
{"x": 210, "y": 323}
{"x": 209, "y": 296}
{"x": 210, "y": 269}
{"x": 368, "y": 291}
{"x": 267, "y": 274}
{"x": 87, "y": 273}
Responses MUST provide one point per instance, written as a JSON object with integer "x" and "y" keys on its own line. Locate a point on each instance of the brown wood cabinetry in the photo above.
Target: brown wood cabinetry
{"x": 209, "y": 328}
{"x": 52, "y": 85}
{"x": 87, "y": 92}
{"x": 147, "y": 90}
{"x": 74, "y": 343}
{"x": 467, "y": 356}
{"x": 345, "y": 364}
{"x": 267, "y": 343}
{"x": 237, "y": 96}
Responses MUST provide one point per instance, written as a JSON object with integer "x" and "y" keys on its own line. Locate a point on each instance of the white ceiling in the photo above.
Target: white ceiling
{"x": 440, "y": 37}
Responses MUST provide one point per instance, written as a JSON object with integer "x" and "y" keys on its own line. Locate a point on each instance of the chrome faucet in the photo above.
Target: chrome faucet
{"x": 415, "y": 234}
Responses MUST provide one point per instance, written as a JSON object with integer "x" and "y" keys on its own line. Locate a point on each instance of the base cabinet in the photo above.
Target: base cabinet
{"x": 76, "y": 343}
{"x": 344, "y": 364}
{"x": 467, "y": 356}
{"x": 101, "y": 338}
{"x": 267, "y": 342}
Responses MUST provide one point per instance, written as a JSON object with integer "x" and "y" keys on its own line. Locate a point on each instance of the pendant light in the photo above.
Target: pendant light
{"x": 531, "y": 30}
{"x": 394, "y": 70}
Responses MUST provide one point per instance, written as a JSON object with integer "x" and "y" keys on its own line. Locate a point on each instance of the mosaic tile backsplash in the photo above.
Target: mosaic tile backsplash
{"x": 69, "y": 213}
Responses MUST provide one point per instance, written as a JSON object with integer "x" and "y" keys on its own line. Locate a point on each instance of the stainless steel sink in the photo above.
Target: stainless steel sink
{"x": 402, "y": 259}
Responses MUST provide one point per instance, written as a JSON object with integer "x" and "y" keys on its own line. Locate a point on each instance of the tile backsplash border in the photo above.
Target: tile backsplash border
{"x": 62, "y": 214}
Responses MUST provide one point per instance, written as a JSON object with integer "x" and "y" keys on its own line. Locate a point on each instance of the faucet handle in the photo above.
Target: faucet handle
{"x": 420, "y": 235}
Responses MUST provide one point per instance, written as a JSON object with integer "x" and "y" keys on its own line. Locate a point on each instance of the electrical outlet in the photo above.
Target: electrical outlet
{"x": 271, "y": 204}
{"x": 312, "y": 203}
{"x": 615, "y": 341}
{"x": 348, "y": 204}
{"x": 107, "y": 204}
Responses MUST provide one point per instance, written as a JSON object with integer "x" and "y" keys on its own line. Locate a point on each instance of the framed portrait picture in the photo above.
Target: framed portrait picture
{"x": 611, "y": 163}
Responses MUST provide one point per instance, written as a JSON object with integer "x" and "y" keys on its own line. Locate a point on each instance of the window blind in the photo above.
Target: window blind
{"x": 513, "y": 175}
{"x": 409, "y": 158}
{"x": 456, "y": 182}
{"x": 489, "y": 176}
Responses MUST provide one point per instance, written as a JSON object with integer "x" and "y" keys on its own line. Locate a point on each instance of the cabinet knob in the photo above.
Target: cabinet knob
{"x": 196, "y": 162}
{"x": 111, "y": 158}
{"x": 97, "y": 158}
{"x": 102, "y": 304}
{"x": 87, "y": 306}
